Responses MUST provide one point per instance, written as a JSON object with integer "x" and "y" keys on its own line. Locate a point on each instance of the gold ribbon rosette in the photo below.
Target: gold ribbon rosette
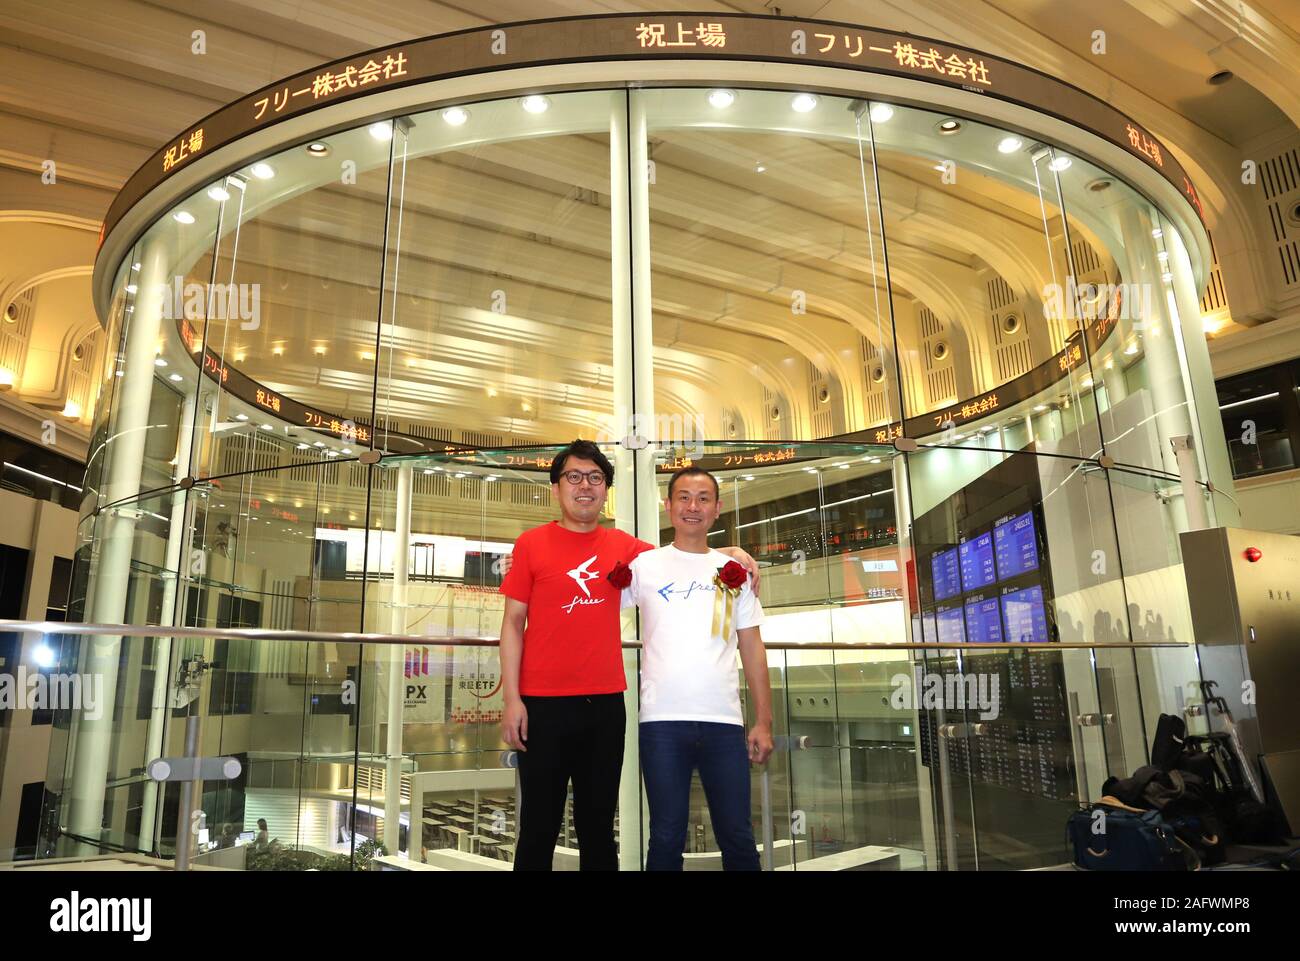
{"x": 724, "y": 598}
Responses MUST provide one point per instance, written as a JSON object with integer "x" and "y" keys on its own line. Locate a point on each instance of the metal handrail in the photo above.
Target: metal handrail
{"x": 354, "y": 637}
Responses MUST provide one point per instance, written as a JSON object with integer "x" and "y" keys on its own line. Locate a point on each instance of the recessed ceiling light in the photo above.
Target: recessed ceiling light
{"x": 1010, "y": 144}
{"x": 721, "y": 98}
{"x": 536, "y": 103}
{"x": 267, "y": 427}
{"x": 131, "y": 288}
{"x": 803, "y": 102}
{"x": 949, "y": 126}
{"x": 219, "y": 194}
{"x": 175, "y": 377}
{"x": 262, "y": 170}
{"x": 137, "y": 266}
{"x": 183, "y": 217}
{"x": 318, "y": 149}
{"x": 1040, "y": 408}
{"x": 881, "y": 112}
{"x": 1157, "y": 233}
{"x": 241, "y": 417}
{"x": 759, "y": 167}
{"x": 1059, "y": 162}
{"x": 159, "y": 362}
{"x": 1131, "y": 349}
{"x": 1219, "y": 77}
{"x": 383, "y": 130}
{"x": 455, "y": 116}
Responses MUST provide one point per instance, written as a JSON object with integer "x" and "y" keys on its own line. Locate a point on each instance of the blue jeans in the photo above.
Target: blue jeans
{"x": 670, "y": 752}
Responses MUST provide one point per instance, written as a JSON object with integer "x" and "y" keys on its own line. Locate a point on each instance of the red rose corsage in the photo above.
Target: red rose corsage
{"x": 733, "y": 575}
{"x": 620, "y": 576}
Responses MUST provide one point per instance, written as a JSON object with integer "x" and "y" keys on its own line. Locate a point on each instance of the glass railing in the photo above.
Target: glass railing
{"x": 383, "y": 751}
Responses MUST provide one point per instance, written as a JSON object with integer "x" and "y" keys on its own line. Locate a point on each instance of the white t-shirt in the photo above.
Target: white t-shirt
{"x": 687, "y": 672}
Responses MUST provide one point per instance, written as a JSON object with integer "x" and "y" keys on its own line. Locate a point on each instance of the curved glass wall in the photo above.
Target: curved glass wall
{"x": 339, "y": 373}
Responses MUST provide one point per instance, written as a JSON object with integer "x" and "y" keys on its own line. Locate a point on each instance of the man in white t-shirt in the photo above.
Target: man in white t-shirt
{"x": 698, "y": 609}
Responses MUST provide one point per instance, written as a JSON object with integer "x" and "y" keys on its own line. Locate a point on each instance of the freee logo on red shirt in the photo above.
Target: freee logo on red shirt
{"x": 580, "y": 576}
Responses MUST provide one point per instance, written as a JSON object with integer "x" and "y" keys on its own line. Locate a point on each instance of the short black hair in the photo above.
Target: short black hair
{"x": 583, "y": 450}
{"x": 692, "y": 472}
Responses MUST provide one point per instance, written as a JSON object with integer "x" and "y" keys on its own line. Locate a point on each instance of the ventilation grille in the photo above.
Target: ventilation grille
{"x": 773, "y": 427}
{"x": 940, "y": 375}
{"x": 476, "y": 439}
{"x": 1216, "y": 296}
{"x": 15, "y": 333}
{"x": 875, "y": 393}
{"x": 930, "y": 324}
{"x": 81, "y": 373}
{"x": 253, "y": 452}
{"x": 1086, "y": 260}
{"x": 1280, "y": 178}
{"x": 819, "y": 385}
{"x": 370, "y": 782}
{"x": 1011, "y": 352}
{"x": 1000, "y": 293}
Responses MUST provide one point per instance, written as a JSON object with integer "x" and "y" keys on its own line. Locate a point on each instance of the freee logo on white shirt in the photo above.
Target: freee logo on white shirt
{"x": 667, "y": 591}
{"x": 580, "y": 576}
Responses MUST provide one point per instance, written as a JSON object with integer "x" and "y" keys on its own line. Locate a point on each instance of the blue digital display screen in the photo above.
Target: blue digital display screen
{"x": 977, "y": 562}
{"x": 1016, "y": 546}
{"x": 951, "y": 628}
{"x": 983, "y": 621}
{"x": 947, "y": 574}
{"x": 1022, "y": 612}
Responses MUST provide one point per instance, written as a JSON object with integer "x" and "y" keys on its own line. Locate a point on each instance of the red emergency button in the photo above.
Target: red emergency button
{"x": 1253, "y": 554}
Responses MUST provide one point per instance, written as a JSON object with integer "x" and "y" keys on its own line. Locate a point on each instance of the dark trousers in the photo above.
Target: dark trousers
{"x": 577, "y": 739}
{"x": 670, "y": 752}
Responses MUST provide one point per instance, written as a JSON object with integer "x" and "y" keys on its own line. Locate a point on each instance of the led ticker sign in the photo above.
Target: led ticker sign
{"x": 1008, "y": 394}
{"x": 650, "y": 35}
{"x": 1147, "y": 147}
{"x": 240, "y": 385}
{"x": 183, "y": 149}
{"x": 330, "y": 82}
{"x": 614, "y": 37}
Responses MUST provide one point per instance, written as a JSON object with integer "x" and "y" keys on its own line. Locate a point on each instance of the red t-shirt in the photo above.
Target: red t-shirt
{"x": 572, "y": 642}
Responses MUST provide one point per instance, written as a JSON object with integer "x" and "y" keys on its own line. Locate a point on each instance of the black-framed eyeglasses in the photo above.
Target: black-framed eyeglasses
{"x": 595, "y": 478}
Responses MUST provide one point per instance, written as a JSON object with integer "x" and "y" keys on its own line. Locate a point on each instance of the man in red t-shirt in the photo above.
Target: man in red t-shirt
{"x": 562, "y": 665}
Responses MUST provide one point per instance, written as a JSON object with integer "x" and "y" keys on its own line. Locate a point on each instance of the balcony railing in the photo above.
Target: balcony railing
{"x": 897, "y": 756}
